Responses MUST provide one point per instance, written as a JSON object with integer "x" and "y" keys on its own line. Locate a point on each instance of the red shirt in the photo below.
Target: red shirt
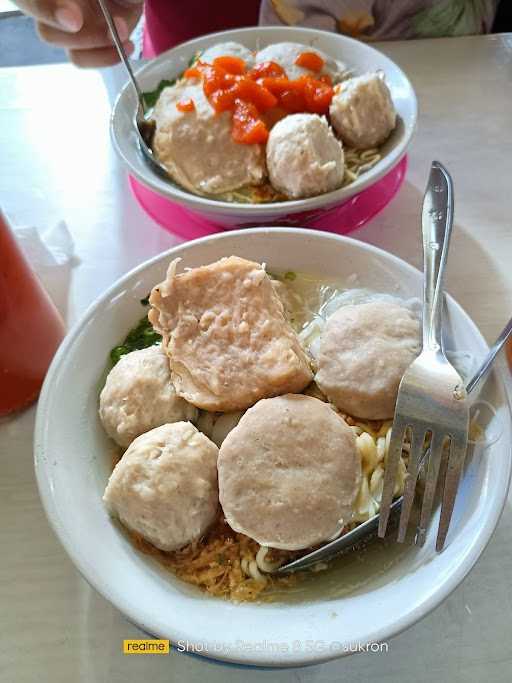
{"x": 169, "y": 22}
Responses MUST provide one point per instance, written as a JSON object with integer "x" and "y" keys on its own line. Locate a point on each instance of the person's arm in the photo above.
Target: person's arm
{"x": 80, "y": 28}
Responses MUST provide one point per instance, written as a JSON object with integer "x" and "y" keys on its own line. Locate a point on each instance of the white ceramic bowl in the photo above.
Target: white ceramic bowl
{"x": 357, "y": 55}
{"x": 73, "y": 459}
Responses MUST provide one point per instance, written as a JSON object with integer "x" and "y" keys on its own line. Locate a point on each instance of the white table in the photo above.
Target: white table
{"x": 56, "y": 163}
{"x": 8, "y": 7}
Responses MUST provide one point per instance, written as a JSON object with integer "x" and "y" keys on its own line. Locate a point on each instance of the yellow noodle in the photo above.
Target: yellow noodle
{"x": 356, "y": 163}
{"x": 368, "y": 154}
{"x": 230, "y": 565}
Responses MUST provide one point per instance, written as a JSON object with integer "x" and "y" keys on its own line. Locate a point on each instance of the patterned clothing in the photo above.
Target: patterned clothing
{"x": 384, "y": 19}
{"x": 169, "y": 22}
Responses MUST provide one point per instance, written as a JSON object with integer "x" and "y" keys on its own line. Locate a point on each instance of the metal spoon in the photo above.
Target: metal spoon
{"x": 330, "y": 550}
{"x": 142, "y": 122}
{"x": 489, "y": 359}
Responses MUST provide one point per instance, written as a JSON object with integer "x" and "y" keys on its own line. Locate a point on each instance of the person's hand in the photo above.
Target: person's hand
{"x": 79, "y": 26}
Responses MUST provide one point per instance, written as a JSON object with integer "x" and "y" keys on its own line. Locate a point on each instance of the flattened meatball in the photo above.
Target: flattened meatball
{"x": 228, "y": 340}
{"x": 229, "y": 48}
{"x": 285, "y": 55}
{"x": 197, "y": 147}
{"x": 289, "y": 473}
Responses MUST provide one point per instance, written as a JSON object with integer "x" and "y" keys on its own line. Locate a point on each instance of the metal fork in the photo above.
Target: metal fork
{"x": 432, "y": 400}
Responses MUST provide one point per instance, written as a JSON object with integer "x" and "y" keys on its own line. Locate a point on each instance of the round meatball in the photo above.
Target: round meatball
{"x": 303, "y": 156}
{"x": 362, "y": 111}
{"x": 229, "y": 48}
{"x": 289, "y": 473}
{"x": 285, "y": 54}
{"x": 197, "y": 147}
{"x": 139, "y": 395}
{"x": 165, "y": 486}
{"x": 363, "y": 353}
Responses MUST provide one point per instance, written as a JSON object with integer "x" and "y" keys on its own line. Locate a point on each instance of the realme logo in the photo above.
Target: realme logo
{"x": 146, "y": 647}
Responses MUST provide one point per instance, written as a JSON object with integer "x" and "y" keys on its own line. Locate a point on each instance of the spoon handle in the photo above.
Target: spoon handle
{"x": 122, "y": 53}
{"x": 489, "y": 359}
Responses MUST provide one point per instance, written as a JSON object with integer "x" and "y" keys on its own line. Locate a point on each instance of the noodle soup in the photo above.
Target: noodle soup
{"x": 283, "y": 123}
{"x": 226, "y": 563}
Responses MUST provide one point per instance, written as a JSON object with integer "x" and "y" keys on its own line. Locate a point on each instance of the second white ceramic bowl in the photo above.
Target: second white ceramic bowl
{"x": 355, "y": 54}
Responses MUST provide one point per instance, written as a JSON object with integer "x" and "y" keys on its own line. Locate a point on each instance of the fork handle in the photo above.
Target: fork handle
{"x": 437, "y": 223}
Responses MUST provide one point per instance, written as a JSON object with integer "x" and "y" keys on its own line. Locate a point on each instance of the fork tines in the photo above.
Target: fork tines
{"x": 437, "y": 454}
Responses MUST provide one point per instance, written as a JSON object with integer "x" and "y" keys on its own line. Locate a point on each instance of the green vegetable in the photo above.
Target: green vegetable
{"x": 140, "y": 337}
{"x": 290, "y": 275}
{"x": 151, "y": 97}
{"x": 193, "y": 59}
{"x": 117, "y": 352}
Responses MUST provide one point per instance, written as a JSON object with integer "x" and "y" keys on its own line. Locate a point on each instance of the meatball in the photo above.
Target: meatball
{"x": 363, "y": 353}
{"x": 197, "y": 147}
{"x": 285, "y": 54}
{"x": 362, "y": 111}
{"x": 139, "y": 395}
{"x": 228, "y": 340}
{"x": 229, "y": 48}
{"x": 304, "y": 158}
{"x": 289, "y": 473}
{"x": 165, "y": 486}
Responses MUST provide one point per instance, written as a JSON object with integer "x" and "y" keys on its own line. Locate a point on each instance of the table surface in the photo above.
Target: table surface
{"x": 57, "y": 164}
{"x": 7, "y": 7}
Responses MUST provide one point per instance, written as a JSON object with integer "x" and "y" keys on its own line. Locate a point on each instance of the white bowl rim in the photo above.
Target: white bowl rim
{"x": 176, "y": 193}
{"x": 475, "y": 547}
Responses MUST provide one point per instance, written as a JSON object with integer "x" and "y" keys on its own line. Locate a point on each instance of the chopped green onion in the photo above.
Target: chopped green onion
{"x": 117, "y": 352}
{"x": 151, "y": 97}
{"x": 151, "y": 336}
{"x": 194, "y": 59}
{"x": 139, "y": 337}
